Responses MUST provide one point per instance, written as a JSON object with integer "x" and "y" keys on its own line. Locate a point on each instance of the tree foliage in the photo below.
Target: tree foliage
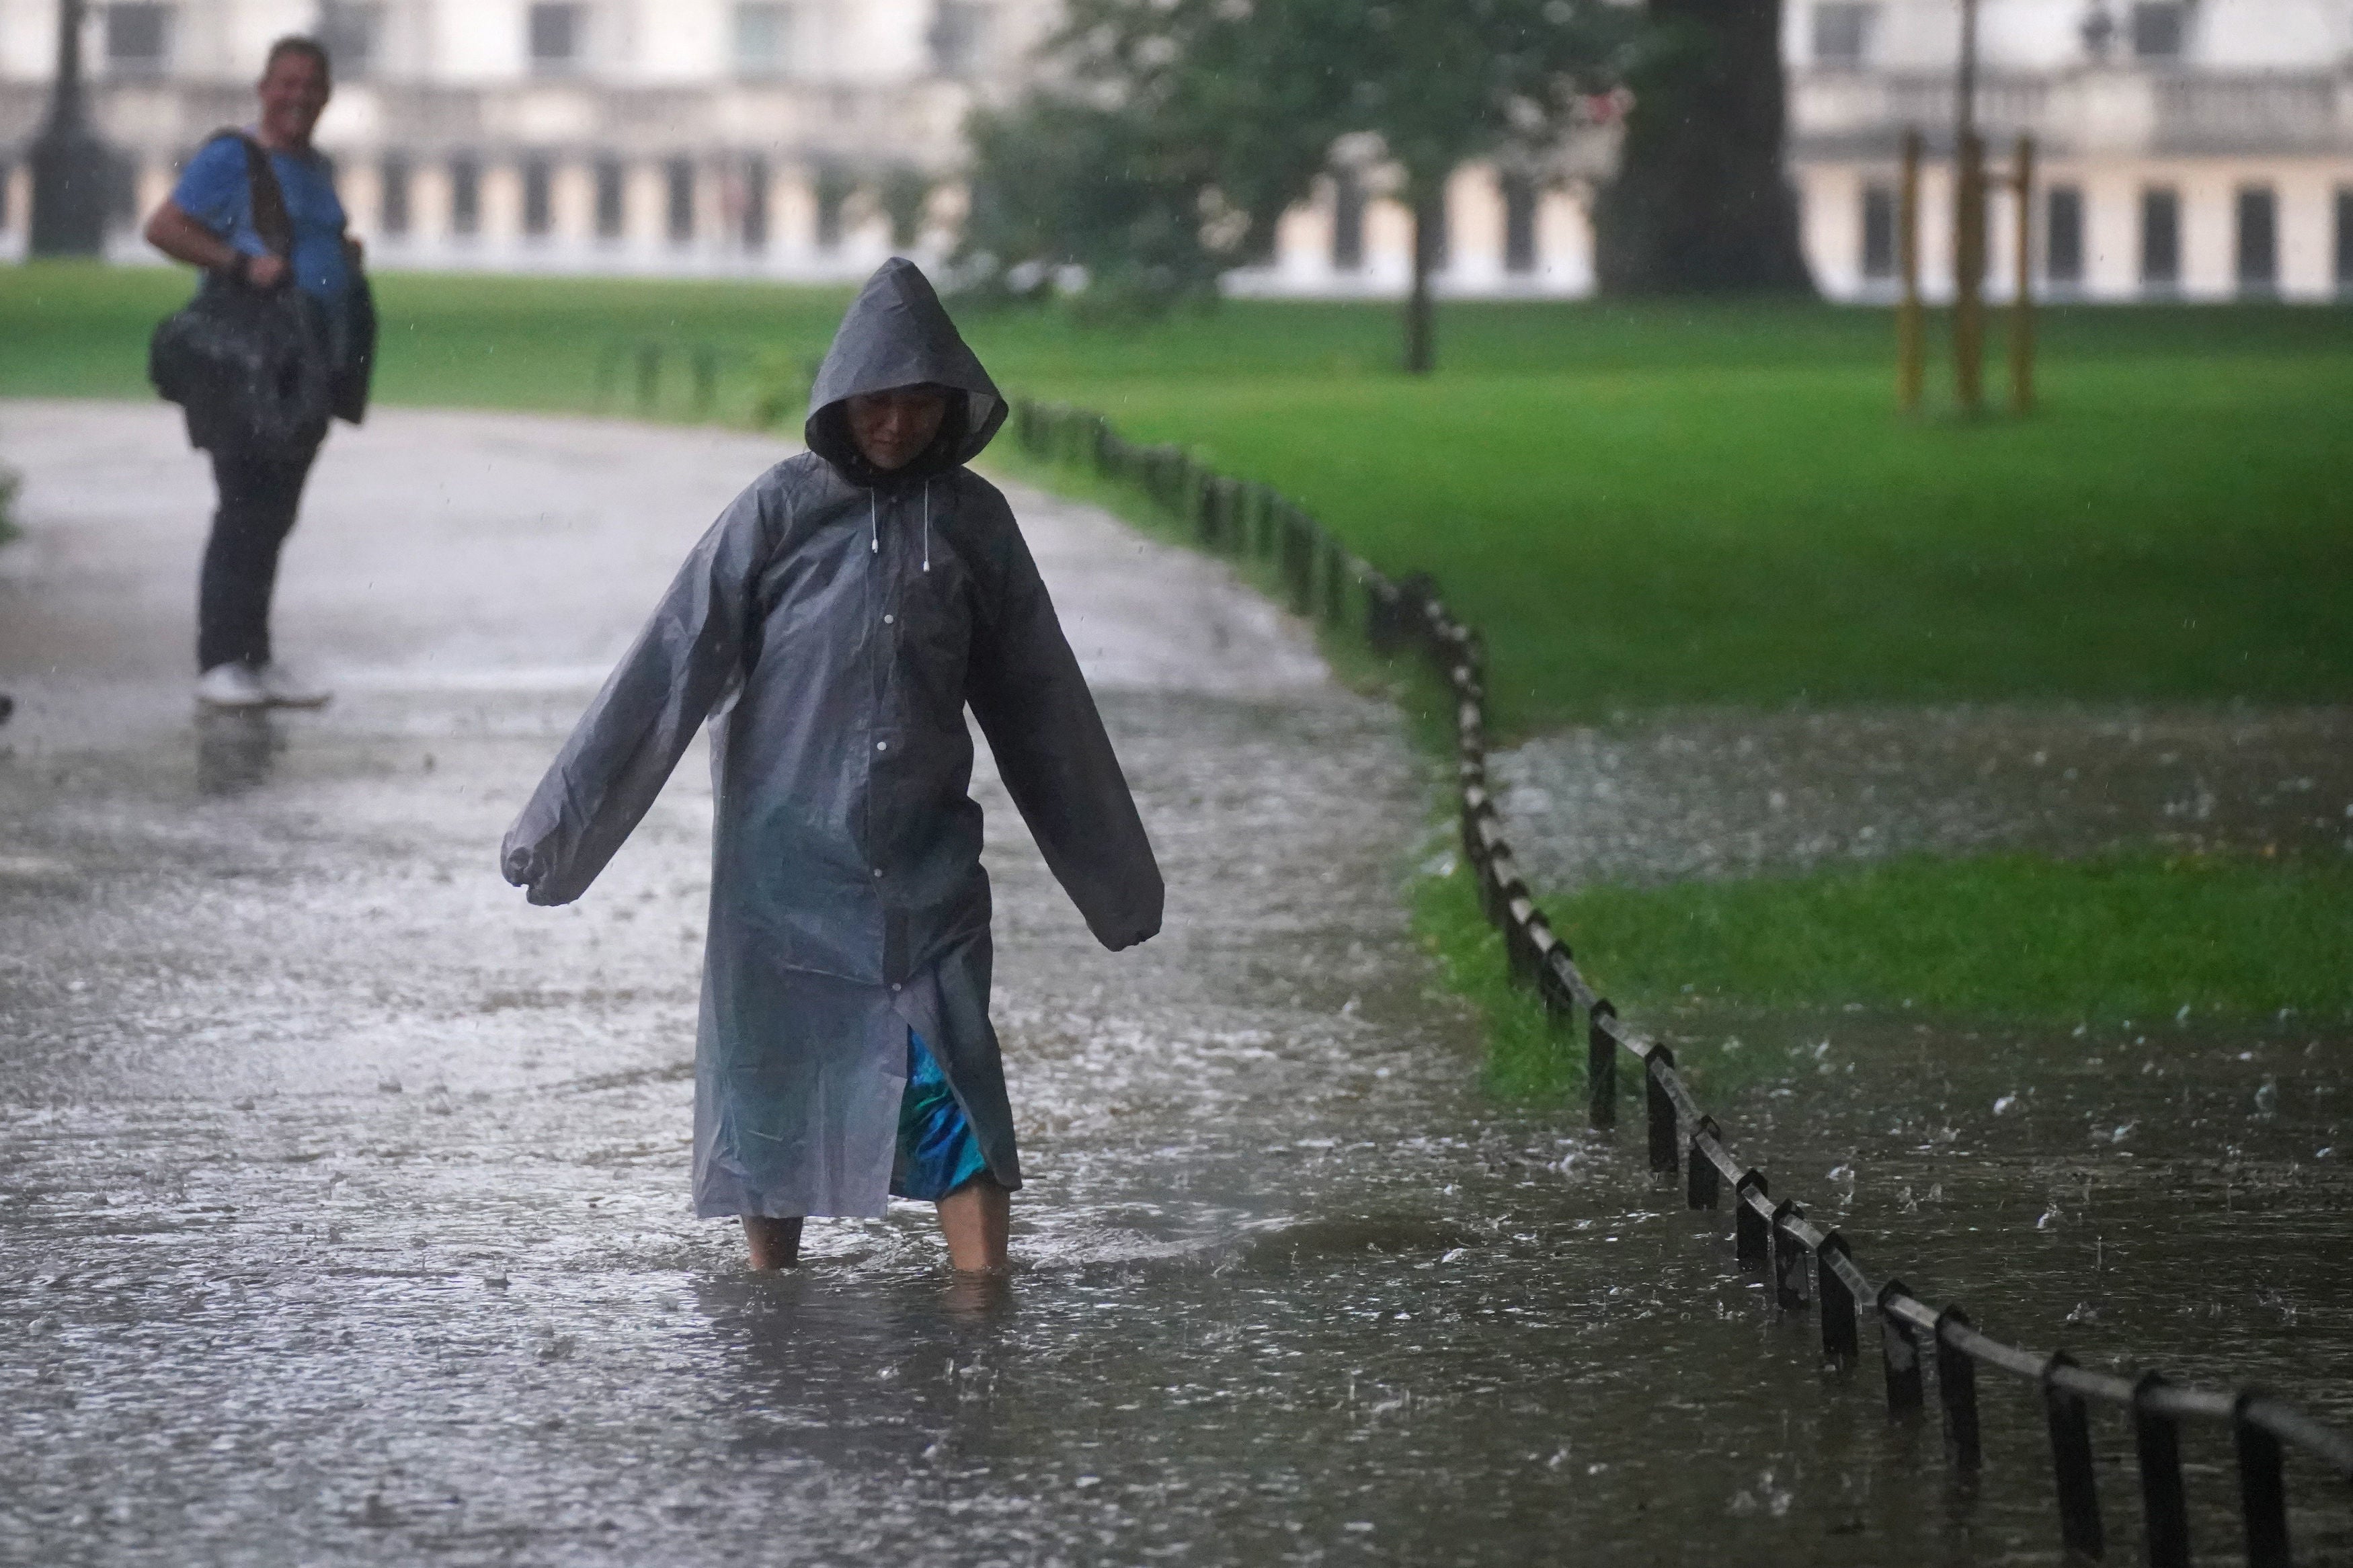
{"x": 1181, "y": 130}
{"x": 1701, "y": 204}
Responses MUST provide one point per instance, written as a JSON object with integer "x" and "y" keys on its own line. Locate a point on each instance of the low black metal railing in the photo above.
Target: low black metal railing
{"x": 1805, "y": 1266}
{"x": 642, "y": 365}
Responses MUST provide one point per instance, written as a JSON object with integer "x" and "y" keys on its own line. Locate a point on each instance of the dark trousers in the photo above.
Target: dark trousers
{"x": 258, "y": 498}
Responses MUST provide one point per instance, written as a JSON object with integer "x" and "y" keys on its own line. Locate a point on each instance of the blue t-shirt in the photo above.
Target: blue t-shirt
{"x": 214, "y": 191}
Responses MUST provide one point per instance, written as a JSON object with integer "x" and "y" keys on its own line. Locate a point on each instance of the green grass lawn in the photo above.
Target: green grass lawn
{"x": 2137, "y": 935}
{"x": 1662, "y": 505}
{"x": 2127, "y": 937}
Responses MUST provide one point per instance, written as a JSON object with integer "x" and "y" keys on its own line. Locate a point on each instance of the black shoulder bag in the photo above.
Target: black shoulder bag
{"x": 260, "y": 370}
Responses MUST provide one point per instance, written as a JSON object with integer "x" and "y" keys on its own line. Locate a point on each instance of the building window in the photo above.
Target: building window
{"x": 392, "y": 200}
{"x": 538, "y": 197}
{"x": 2062, "y": 242}
{"x": 2160, "y": 29}
{"x": 609, "y": 209}
{"x": 1842, "y": 31}
{"x": 2258, "y": 249}
{"x": 678, "y": 175}
{"x": 1878, "y": 233}
{"x": 1519, "y": 223}
{"x": 138, "y": 39}
{"x": 766, "y": 38}
{"x": 465, "y": 196}
{"x": 755, "y": 223}
{"x": 1347, "y": 221}
{"x": 348, "y": 31}
{"x": 558, "y": 34}
{"x": 834, "y": 186}
{"x": 906, "y": 197}
{"x": 1434, "y": 232}
{"x": 960, "y": 36}
{"x": 2161, "y": 238}
{"x": 2345, "y": 238}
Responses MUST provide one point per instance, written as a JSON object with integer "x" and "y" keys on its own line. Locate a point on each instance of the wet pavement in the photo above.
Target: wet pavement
{"x": 1732, "y": 795}
{"x": 342, "y": 1198}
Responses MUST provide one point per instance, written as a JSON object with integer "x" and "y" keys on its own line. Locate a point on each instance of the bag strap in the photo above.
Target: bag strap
{"x": 270, "y": 219}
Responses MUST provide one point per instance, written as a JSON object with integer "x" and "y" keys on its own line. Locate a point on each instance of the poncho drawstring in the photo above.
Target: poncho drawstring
{"x": 874, "y": 525}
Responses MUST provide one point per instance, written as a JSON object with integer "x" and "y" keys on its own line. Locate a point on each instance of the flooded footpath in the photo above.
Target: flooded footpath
{"x": 342, "y": 1198}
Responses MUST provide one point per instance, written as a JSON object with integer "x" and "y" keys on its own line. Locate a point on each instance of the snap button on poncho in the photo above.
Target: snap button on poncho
{"x": 838, "y": 750}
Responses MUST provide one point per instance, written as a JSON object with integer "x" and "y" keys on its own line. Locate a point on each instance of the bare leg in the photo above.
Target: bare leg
{"x": 775, "y": 1243}
{"x": 974, "y": 1219}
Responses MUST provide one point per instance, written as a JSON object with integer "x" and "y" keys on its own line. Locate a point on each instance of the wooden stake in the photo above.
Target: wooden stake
{"x": 1909, "y": 327}
{"x": 2021, "y": 307}
{"x": 1968, "y": 276}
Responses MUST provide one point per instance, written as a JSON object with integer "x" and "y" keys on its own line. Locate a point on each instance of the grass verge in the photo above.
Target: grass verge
{"x": 2123, "y": 936}
{"x": 1528, "y": 1056}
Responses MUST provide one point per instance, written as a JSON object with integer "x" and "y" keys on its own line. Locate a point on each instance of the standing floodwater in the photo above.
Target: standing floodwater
{"x": 343, "y": 1203}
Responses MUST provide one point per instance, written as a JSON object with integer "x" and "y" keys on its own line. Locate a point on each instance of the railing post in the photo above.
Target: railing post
{"x": 1475, "y": 806}
{"x": 608, "y": 374}
{"x": 1662, "y": 1108}
{"x": 649, "y": 356}
{"x": 2165, "y": 1508}
{"x": 1492, "y": 894}
{"x": 1752, "y": 1241}
{"x": 1559, "y": 1001}
{"x": 1899, "y": 1354}
{"x": 1535, "y": 937}
{"x": 1841, "y": 1336}
{"x": 2071, "y": 1461}
{"x": 1789, "y": 1258}
{"x": 2263, "y": 1490}
{"x": 1303, "y": 567}
{"x": 1382, "y": 630}
{"x": 1519, "y": 951}
{"x": 1957, "y": 1391}
{"x": 1701, "y": 1191}
{"x": 705, "y": 359}
{"x": 1600, "y": 1068}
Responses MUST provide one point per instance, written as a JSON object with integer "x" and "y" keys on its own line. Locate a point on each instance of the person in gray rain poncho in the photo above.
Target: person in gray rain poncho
{"x": 836, "y": 620}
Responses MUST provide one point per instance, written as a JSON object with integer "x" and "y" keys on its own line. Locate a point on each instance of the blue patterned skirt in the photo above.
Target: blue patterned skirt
{"x": 937, "y": 1152}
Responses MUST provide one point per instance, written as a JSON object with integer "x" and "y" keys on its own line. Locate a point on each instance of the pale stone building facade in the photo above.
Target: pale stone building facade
{"x": 2190, "y": 148}
{"x": 2187, "y": 149}
{"x": 783, "y": 137}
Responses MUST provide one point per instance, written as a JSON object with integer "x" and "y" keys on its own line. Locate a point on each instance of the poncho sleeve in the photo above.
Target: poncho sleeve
{"x": 1025, "y": 688}
{"x": 623, "y": 749}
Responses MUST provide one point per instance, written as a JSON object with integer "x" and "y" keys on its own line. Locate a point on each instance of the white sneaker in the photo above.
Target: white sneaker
{"x": 284, "y": 688}
{"x": 231, "y": 685}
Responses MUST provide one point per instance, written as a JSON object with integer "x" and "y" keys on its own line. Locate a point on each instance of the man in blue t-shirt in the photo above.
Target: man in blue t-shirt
{"x": 207, "y": 222}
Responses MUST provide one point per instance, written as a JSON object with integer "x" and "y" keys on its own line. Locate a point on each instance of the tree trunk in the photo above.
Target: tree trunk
{"x": 1428, "y": 226}
{"x": 1700, "y": 203}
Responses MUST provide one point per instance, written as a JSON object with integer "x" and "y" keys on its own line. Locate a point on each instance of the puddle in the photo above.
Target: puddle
{"x": 1290, "y": 1289}
{"x": 1733, "y": 795}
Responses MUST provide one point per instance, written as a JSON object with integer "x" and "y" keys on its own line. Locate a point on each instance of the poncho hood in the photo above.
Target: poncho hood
{"x": 897, "y": 334}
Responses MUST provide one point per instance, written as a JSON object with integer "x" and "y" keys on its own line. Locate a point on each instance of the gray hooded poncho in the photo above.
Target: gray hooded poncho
{"x": 838, "y": 621}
